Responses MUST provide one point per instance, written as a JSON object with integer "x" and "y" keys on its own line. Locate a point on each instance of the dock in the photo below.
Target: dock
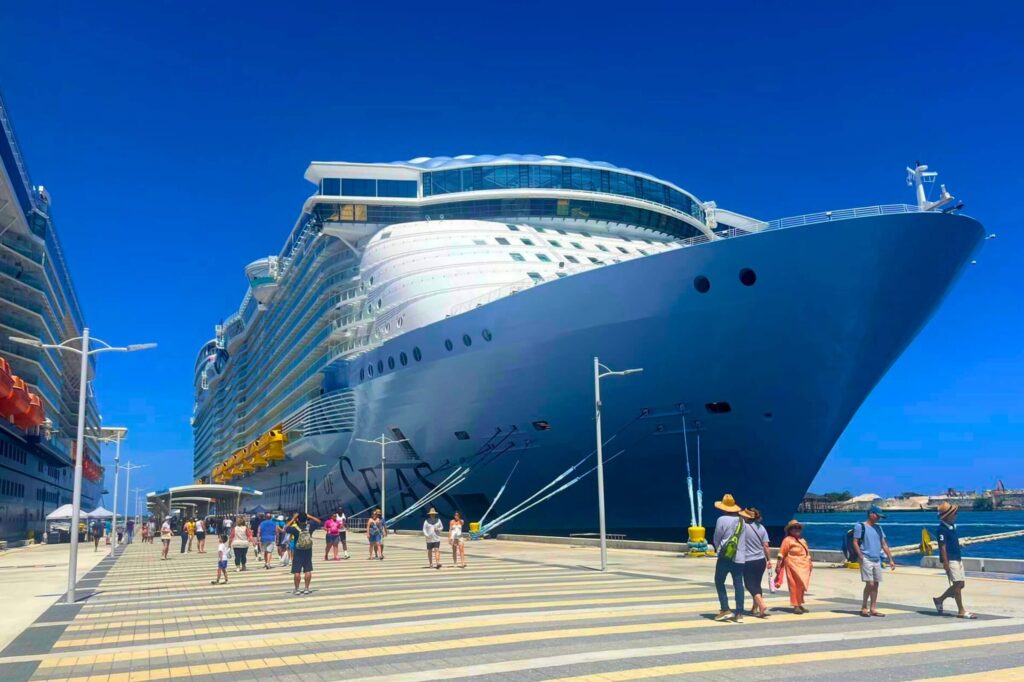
{"x": 519, "y": 611}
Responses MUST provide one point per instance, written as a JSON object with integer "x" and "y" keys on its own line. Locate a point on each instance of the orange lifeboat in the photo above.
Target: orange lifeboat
{"x": 33, "y": 416}
{"x": 18, "y": 402}
{"x": 6, "y": 381}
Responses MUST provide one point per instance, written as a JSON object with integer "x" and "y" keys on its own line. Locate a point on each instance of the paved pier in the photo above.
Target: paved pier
{"x": 520, "y": 611}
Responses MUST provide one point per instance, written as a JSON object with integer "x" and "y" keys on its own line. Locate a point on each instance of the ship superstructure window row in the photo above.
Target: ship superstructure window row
{"x": 360, "y": 187}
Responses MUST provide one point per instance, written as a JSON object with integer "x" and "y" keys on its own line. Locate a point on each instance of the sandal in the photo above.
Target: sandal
{"x": 967, "y": 616}
{"x": 877, "y": 614}
{"x": 864, "y": 613}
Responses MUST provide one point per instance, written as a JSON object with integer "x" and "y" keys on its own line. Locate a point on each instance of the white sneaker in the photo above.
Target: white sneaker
{"x": 296, "y": 591}
{"x": 345, "y": 556}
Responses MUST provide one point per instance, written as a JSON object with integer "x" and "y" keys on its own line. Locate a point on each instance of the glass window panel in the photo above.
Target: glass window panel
{"x": 330, "y": 186}
{"x": 396, "y": 188}
{"x": 467, "y": 179}
{"x": 488, "y": 180}
{"x": 358, "y": 187}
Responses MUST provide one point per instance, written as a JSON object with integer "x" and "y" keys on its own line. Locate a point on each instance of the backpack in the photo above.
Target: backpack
{"x": 729, "y": 551}
{"x": 305, "y": 540}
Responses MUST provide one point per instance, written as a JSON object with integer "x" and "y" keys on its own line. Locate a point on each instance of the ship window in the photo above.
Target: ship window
{"x": 560, "y": 275}
{"x": 540, "y": 229}
{"x": 384, "y": 235}
{"x": 541, "y": 425}
{"x": 358, "y": 187}
{"x": 391, "y": 362}
{"x": 487, "y": 335}
{"x": 401, "y": 321}
{"x": 595, "y": 261}
{"x": 448, "y": 344}
{"x": 517, "y": 257}
{"x": 718, "y": 407}
{"x": 562, "y": 232}
{"x": 331, "y": 186}
{"x": 467, "y": 340}
{"x": 602, "y": 247}
{"x": 480, "y": 242}
{"x": 555, "y": 244}
{"x": 702, "y": 284}
{"x": 369, "y": 370}
{"x": 380, "y": 302}
{"x": 462, "y": 435}
{"x": 571, "y": 259}
{"x": 535, "y": 276}
{"x": 577, "y": 245}
{"x": 403, "y": 358}
{"x": 512, "y": 227}
{"x": 416, "y": 354}
{"x": 380, "y": 367}
{"x": 642, "y": 252}
{"x": 748, "y": 277}
{"x": 502, "y": 241}
{"x": 543, "y": 258}
{"x": 528, "y": 242}
{"x": 622, "y": 249}
{"x": 362, "y": 373}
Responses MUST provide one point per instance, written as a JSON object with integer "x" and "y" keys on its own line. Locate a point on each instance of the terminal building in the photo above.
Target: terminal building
{"x": 38, "y": 387}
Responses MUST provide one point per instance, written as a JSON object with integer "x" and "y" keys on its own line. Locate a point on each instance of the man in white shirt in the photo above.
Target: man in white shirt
{"x": 432, "y": 529}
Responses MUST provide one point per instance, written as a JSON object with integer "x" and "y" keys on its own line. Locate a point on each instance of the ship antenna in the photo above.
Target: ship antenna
{"x": 917, "y": 177}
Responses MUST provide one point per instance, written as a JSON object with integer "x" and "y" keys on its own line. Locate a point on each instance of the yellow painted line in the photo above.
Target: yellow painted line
{"x": 453, "y": 609}
{"x": 985, "y": 676}
{"x": 348, "y": 636}
{"x": 359, "y": 593}
{"x": 730, "y": 664}
{"x": 222, "y": 612}
{"x": 445, "y": 645}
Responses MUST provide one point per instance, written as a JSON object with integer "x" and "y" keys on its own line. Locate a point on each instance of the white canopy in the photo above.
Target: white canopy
{"x": 100, "y": 513}
{"x": 60, "y": 514}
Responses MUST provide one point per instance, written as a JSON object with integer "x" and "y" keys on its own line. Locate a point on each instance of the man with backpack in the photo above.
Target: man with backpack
{"x": 302, "y": 562}
{"x": 869, "y": 542}
{"x": 728, "y": 544}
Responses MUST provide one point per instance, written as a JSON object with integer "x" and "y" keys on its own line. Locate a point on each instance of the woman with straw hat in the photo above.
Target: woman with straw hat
{"x": 795, "y": 559}
{"x": 728, "y": 543}
{"x": 755, "y": 549}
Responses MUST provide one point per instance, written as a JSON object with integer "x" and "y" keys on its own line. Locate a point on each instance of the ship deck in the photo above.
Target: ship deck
{"x": 520, "y": 611}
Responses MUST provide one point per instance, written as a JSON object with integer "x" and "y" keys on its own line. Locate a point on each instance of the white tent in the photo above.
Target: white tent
{"x": 100, "y": 513}
{"x": 60, "y": 514}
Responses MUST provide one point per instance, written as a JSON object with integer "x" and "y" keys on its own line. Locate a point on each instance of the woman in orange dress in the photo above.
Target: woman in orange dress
{"x": 795, "y": 559}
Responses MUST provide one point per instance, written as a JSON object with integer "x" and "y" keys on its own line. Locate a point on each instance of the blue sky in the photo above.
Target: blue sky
{"x": 173, "y": 139}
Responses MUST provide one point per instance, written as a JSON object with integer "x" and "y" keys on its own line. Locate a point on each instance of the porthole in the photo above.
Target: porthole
{"x": 462, "y": 435}
{"x": 400, "y": 321}
{"x": 391, "y": 362}
{"x": 403, "y": 358}
{"x": 486, "y": 334}
{"x": 702, "y": 284}
{"x": 542, "y": 425}
{"x": 369, "y": 370}
{"x": 718, "y": 407}
{"x": 387, "y": 328}
{"x": 380, "y": 367}
{"x": 362, "y": 374}
{"x": 466, "y": 340}
{"x": 748, "y": 277}
{"x": 416, "y": 354}
{"x": 380, "y": 303}
{"x": 448, "y": 344}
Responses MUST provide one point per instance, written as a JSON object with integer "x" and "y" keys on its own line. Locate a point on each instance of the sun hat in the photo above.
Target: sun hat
{"x": 875, "y": 509}
{"x": 432, "y": 512}
{"x": 793, "y": 524}
{"x": 750, "y": 514}
{"x": 946, "y": 510}
{"x": 728, "y": 504}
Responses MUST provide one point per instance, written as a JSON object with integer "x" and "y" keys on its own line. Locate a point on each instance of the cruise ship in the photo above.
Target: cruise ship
{"x": 456, "y": 305}
{"x": 38, "y": 388}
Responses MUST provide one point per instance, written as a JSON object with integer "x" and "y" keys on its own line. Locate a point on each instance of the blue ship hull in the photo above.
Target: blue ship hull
{"x": 794, "y": 355}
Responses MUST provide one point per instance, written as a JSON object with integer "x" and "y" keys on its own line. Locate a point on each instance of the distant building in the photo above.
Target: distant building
{"x": 859, "y": 503}
{"x": 814, "y": 503}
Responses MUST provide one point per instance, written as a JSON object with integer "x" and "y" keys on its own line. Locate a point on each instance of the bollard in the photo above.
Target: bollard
{"x": 698, "y": 545}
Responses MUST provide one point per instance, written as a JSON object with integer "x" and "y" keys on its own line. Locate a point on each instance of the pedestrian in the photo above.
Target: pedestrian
{"x": 223, "y": 549}
{"x": 952, "y": 561}
{"x": 757, "y": 559}
{"x": 302, "y": 563}
{"x": 283, "y": 541}
{"x": 728, "y": 544}
{"x": 191, "y": 525}
{"x": 268, "y": 538}
{"x": 342, "y": 532}
{"x": 375, "y": 535}
{"x": 226, "y": 525}
{"x": 108, "y": 528}
{"x": 332, "y": 529}
{"x": 432, "y": 529}
{"x": 200, "y": 536}
{"x": 129, "y": 529}
{"x": 869, "y": 542}
{"x": 795, "y": 560}
{"x": 145, "y": 534}
{"x": 165, "y": 536}
{"x": 241, "y": 540}
{"x": 183, "y": 533}
{"x": 97, "y": 534}
{"x": 152, "y": 529}
{"x": 456, "y": 541}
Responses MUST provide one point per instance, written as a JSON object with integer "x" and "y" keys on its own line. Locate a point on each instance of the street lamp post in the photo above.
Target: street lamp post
{"x": 383, "y": 441}
{"x": 76, "y": 495}
{"x": 305, "y": 489}
{"x": 598, "y": 375}
{"x": 136, "y": 491}
{"x": 113, "y": 434}
{"x": 127, "y": 485}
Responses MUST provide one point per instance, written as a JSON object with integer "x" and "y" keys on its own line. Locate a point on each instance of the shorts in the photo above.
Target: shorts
{"x": 200, "y": 535}
{"x": 166, "y": 541}
{"x": 268, "y": 546}
{"x": 343, "y": 536}
{"x": 303, "y": 562}
{"x": 222, "y": 564}
{"x": 956, "y": 572}
{"x": 434, "y": 545}
{"x": 332, "y": 539}
{"x": 753, "y": 573}
{"x": 871, "y": 571}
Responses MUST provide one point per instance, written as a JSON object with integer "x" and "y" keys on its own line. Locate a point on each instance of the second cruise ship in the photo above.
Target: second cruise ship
{"x": 455, "y": 305}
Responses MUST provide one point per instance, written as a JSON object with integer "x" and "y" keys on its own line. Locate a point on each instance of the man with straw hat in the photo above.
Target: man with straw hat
{"x": 949, "y": 550}
{"x": 432, "y": 529}
{"x": 731, "y": 556}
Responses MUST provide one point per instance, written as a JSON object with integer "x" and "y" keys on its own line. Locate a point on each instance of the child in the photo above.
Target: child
{"x": 222, "y": 560}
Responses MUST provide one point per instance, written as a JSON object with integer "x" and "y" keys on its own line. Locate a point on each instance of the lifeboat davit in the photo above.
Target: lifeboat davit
{"x": 34, "y": 416}
{"x": 6, "y": 381}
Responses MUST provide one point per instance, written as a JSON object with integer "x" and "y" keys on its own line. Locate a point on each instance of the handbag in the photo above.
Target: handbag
{"x": 731, "y": 545}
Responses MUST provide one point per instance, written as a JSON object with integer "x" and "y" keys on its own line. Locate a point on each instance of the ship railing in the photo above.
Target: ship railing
{"x": 328, "y": 413}
{"x": 491, "y": 296}
{"x": 807, "y": 219}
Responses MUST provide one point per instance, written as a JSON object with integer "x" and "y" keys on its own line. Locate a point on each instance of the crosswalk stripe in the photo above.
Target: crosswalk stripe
{"x": 984, "y": 676}
{"x": 792, "y": 659}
